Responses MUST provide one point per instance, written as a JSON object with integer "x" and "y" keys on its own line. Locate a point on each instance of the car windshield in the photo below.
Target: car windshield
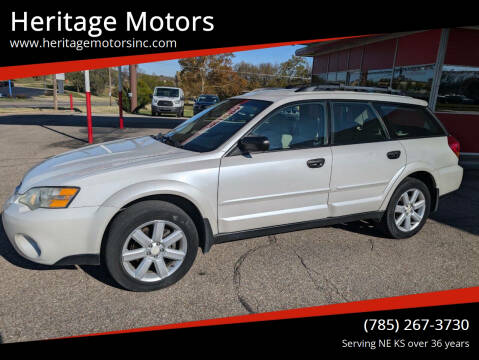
{"x": 167, "y": 92}
{"x": 207, "y": 98}
{"x": 212, "y": 127}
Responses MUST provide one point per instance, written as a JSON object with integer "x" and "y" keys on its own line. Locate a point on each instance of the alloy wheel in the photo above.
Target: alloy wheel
{"x": 409, "y": 210}
{"x": 154, "y": 251}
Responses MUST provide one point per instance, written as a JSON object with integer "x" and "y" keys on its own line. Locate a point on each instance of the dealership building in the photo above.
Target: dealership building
{"x": 440, "y": 66}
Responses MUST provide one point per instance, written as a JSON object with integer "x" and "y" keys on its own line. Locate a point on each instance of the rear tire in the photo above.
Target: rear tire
{"x": 138, "y": 253}
{"x": 408, "y": 209}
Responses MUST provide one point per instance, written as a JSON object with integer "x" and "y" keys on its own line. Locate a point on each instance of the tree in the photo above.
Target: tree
{"x": 77, "y": 80}
{"x": 295, "y": 71}
{"x": 471, "y": 88}
{"x": 98, "y": 81}
{"x": 258, "y": 76}
{"x": 210, "y": 74}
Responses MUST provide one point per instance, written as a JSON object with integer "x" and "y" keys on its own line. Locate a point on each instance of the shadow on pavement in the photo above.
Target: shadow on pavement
{"x": 98, "y": 121}
{"x": 461, "y": 208}
{"x": 100, "y": 273}
{"x": 65, "y": 134}
{"x": 363, "y": 227}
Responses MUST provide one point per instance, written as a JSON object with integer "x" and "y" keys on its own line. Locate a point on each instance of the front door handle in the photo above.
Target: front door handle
{"x": 394, "y": 154}
{"x": 315, "y": 163}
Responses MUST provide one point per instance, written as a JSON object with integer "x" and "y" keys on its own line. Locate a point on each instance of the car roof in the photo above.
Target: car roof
{"x": 167, "y": 87}
{"x": 286, "y": 95}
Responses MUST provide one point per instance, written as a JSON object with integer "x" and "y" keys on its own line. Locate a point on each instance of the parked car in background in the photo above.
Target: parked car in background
{"x": 203, "y": 102}
{"x": 5, "y": 83}
{"x": 257, "y": 164}
{"x": 170, "y": 100}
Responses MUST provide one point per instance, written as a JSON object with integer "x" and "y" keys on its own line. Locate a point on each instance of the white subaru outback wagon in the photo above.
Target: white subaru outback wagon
{"x": 265, "y": 162}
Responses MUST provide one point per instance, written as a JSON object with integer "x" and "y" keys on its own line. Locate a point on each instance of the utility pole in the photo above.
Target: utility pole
{"x": 133, "y": 81}
{"x": 88, "y": 106}
{"x": 55, "y": 99}
{"x": 120, "y": 97}
{"x": 109, "y": 81}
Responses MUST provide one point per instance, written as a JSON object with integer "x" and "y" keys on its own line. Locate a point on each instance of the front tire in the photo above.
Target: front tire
{"x": 408, "y": 209}
{"x": 151, "y": 245}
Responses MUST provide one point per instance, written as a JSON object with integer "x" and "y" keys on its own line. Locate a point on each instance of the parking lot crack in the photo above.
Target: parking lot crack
{"x": 237, "y": 274}
{"x": 326, "y": 290}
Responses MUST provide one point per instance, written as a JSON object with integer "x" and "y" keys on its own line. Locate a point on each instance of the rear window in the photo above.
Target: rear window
{"x": 405, "y": 121}
{"x": 355, "y": 123}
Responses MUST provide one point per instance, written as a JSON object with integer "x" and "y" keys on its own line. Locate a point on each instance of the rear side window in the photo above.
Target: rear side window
{"x": 297, "y": 126}
{"x": 355, "y": 123}
{"x": 405, "y": 121}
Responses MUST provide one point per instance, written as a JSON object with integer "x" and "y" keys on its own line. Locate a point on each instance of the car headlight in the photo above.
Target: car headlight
{"x": 48, "y": 197}
{"x": 176, "y": 102}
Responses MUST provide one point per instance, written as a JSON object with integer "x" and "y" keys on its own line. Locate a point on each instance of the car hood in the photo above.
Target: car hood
{"x": 64, "y": 168}
{"x": 205, "y": 103}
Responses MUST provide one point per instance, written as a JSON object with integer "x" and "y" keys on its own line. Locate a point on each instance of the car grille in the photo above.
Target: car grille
{"x": 164, "y": 103}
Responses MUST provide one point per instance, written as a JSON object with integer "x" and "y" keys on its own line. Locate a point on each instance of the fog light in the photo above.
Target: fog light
{"x": 27, "y": 246}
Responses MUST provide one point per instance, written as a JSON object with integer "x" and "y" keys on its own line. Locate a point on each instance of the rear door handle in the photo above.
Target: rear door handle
{"x": 394, "y": 154}
{"x": 315, "y": 163}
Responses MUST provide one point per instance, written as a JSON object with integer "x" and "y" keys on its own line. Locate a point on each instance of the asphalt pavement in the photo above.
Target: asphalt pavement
{"x": 335, "y": 264}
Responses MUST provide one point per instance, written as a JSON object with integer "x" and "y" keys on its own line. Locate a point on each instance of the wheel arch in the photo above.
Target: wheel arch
{"x": 202, "y": 224}
{"x": 425, "y": 175}
{"x": 428, "y": 179}
{"x": 190, "y": 199}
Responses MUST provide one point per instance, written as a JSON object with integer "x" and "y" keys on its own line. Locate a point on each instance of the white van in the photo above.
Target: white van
{"x": 167, "y": 100}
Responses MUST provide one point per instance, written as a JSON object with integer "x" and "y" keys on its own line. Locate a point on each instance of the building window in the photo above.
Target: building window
{"x": 414, "y": 81}
{"x": 318, "y": 79}
{"x": 341, "y": 77}
{"x": 459, "y": 88}
{"x": 379, "y": 78}
{"x": 354, "y": 77}
{"x": 332, "y": 76}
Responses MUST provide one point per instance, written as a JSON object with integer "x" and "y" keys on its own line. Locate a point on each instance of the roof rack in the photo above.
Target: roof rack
{"x": 341, "y": 87}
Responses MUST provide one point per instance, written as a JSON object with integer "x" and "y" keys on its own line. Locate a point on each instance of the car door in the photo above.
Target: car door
{"x": 365, "y": 161}
{"x": 289, "y": 183}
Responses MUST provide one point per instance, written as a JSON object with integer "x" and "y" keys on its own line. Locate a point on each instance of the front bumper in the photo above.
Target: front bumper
{"x": 162, "y": 109}
{"x": 50, "y": 236}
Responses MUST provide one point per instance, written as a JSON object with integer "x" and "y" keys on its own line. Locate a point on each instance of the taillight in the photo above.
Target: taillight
{"x": 453, "y": 144}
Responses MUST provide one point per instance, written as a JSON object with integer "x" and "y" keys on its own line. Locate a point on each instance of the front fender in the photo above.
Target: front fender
{"x": 205, "y": 205}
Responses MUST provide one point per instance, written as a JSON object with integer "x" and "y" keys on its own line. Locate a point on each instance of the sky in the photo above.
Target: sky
{"x": 274, "y": 55}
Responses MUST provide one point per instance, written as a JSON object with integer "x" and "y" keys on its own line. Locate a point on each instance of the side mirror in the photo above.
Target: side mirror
{"x": 253, "y": 143}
